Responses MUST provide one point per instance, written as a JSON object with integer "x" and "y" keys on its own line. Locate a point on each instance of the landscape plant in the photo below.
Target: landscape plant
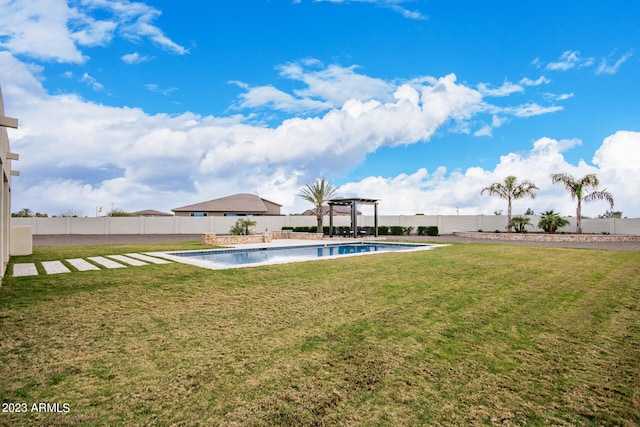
{"x": 579, "y": 189}
{"x": 550, "y": 222}
{"x": 318, "y": 192}
{"x": 511, "y": 190}
{"x": 242, "y": 227}
{"x": 519, "y": 222}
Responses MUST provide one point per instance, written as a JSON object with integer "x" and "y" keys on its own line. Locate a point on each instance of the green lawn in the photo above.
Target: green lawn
{"x": 466, "y": 334}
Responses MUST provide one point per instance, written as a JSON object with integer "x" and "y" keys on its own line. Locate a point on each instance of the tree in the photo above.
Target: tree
{"x": 118, "y": 212}
{"x": 551, "y": 221}
{"x": 23, "y": 213}
{"x": 241, "y": 227}
{"x": 519, "y": 222}
{"x": 511, "y": 190}
{"x": 318, "y": 192}
{"x": 578, "y": 189}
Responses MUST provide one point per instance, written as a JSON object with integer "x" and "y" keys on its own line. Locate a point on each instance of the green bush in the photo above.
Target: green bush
{"x": 432, "y": 230}
{"x": 383, "y": 230}
{"x": 396, "y": 230}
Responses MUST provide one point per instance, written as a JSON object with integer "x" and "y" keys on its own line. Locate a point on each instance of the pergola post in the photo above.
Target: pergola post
{"x": 330, "y": 219}
{"x": 375, "y": 218}
{"x": 354, "y": 218}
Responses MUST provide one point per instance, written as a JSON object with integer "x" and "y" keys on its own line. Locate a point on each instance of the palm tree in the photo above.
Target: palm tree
{"x": 511, "y": 190}
{"x": 578, "y": 190}
{"x": 551, "y": 221}
{"x": 318, "y": 192}
{"x": 519, "y": 222}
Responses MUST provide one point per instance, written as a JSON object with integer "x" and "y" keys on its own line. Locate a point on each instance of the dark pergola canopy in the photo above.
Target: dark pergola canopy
{"x": 353, "y": 204}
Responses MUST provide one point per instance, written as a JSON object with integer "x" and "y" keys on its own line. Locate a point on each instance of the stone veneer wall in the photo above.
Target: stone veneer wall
{"x": 544, "y": 237}
{"x": 212, "y": 239}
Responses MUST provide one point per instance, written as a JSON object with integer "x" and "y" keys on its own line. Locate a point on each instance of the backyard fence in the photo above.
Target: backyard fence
{"x": 446, "y": 224}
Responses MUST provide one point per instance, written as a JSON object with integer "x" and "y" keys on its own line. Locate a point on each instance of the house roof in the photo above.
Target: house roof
{"x": 150, "y": 212}
{"x": 235, "y": 203}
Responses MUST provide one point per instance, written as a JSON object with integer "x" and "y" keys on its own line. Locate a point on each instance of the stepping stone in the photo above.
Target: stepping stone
{"x": 127, "y": 260}
{"x": 55, "y": 267}
{"x": 105, "y": 262}
{"x": 82, "y": 265}
{"x": 150, "y": 259}
{"x": 25, "y": 269}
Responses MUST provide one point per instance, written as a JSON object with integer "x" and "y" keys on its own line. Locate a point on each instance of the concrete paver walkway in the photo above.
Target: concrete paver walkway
{"x": 106, "y": 262}
{"x": 150, "y": 259}
{"x": 81, "y": 264}
{"x": 128, "y": 260}
{"x": 55, "y": 267}
{"x": 26, "y": 269}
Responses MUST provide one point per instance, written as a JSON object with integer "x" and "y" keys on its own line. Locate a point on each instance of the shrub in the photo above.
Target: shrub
{"x": 551, "y": 221}
{"x": 396, "y": 230}
{"x": 241, "y": 227}
{"x": 431, "y": 230}
{"x": 407, "y": 230}
{"x": 518, "y": 222}
{"x": 383, "y": 230}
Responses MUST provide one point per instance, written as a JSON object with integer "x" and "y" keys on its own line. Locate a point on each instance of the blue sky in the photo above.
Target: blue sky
{"x": 160, "y": 104}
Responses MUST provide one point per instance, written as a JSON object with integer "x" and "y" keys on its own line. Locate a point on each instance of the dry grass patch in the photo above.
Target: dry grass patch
{"x": 468, "y": 334}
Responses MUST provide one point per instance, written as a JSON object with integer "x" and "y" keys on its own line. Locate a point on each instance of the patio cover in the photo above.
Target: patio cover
{"x": 353, "y": 203}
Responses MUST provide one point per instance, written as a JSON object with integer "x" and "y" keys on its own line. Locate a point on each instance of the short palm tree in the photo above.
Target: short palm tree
{"x": 577, "y": 188}
{"x": 511, "y": 190}
{"x": 318, "y": 192}
{"x": 551, "y": 221}
{"x": 519, "y": 222}
{"x": 241, "y": 227}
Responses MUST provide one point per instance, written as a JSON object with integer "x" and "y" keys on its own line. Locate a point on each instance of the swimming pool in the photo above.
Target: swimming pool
{"x": 234, "y": 258}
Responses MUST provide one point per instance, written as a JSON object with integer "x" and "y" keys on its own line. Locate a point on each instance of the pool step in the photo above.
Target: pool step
{"x": 81, "y": 264}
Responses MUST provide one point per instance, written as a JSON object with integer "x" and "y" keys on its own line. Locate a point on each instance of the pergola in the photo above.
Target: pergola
{"x": 353, "y": 203}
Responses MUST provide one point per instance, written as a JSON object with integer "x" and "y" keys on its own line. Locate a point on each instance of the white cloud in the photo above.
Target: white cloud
{"x": 335, "y": 84}
{"x": 52, "y": 30}
{"x": 506, "y": 89}
{"x": 539, "y": 81}
{"x": 605, "y": 68}
{"x": 391, "y": 4}
{"x": 91, "y": 82}
{"x": 568, "y": 60}
{"x": 620, "y": 151}
{"x": 439, "y": 194}
{"x": 134, "y": 58}
{"x": 77, "y": 154}
{"x": 531, "y": 109}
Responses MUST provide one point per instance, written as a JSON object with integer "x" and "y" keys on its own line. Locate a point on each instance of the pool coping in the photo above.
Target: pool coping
{"x": 284, "y": 243}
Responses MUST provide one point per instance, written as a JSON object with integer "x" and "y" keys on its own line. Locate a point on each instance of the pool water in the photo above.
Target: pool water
{"x": 228, "y": 258}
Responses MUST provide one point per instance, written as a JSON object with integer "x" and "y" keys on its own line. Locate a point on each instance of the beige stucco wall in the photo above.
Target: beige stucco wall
{"x": 21, "y": 241}
{"x": 5, "y": 186}
{"x": 446, "y": 224}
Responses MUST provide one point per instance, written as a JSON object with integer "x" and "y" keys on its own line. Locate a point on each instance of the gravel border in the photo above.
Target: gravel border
{"x": 112, "y": 239}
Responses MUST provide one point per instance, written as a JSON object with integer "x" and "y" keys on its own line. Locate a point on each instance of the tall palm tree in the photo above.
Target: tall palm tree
{"x": 511, "y": 190}
{"x": 578, "y": 189}
{"x": 318, "y": 192}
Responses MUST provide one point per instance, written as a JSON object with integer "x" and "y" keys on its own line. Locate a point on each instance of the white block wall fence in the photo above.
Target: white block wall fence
{"x": 446, "y": 224}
